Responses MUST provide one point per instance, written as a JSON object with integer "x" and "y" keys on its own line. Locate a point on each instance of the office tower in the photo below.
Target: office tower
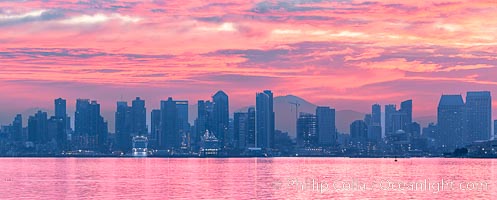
{"x": 406, "y": 108}
{"x": 169, "y": 137}
{"x": 240, "y": 129}
{"x": 220, "y": 116}
{"x": 203, "y": 121}
{"x": 244, "y": 129}
{"x": 264, "y": 120}
{"x": 182, "y": 121}
{"x": 250, "y": 137}
{"x": 376, "y": 114}
{"x": 478, "y": 115}
{"x": 374, "y": 129}
{"x": 326, "y": 128}
{"x": 90, "y": 128}
{"x": 359, "y": 131}
{"x": 57, "y": 132}
{"x": 307, "y": 133}
{"x": 38, "y": 128}
{"x": 390, "y": 110}
{"x": 450, "y": 122}
{"x": 367, "y": 119}
{"x": 154, "y": 125}
{"x": 16, "y": 129}
{"x": 495, "y": 129}
{"x": 123, "y": 126}
{"x": 139, "y": 117}
{"x": 60, "y": 108}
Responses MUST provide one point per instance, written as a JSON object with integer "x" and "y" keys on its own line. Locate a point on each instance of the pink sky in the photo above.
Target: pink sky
{"x": 346, "y": 54}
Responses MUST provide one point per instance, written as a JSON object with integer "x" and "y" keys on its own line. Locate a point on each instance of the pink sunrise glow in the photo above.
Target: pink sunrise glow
{"x": 346, "y": 54}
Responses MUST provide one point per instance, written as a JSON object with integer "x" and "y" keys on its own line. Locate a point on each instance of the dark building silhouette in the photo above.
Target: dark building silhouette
{"x": 154, "y": 126}
{"x": 307, "y": 133}
{"x": 326, "y": 128}
{"x": 60, "y": 108}
{"x": 16, "y": 129}
{"x": 57, "y": 132}
{"x": 406, "y": 108}
{"x": 139, "y": 117}
{"x": 169, "y": 137}
{"x": 479, "y": 116}
{"x": 90, "y": 128}
{"x": 244, "y": 129}
{"x": 123, "y": 126}
{"x": 374, "y": 128}
{"x": 264, "y": 120}
{"x": 359, "y": 131}
{"x": 390, "y": 110}
{"x": 203, "y": 121}
{"x": 220, "y": 116}
{"x": 451, "y": 122}
{"x": 38, "y": 128}
{"x": 182, "y": 122}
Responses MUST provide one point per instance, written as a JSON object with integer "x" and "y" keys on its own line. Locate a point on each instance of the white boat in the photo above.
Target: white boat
{"x": 140, "y": 146}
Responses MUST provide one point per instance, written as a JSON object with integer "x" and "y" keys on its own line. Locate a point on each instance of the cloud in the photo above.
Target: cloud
{"x": 99, "y": 18}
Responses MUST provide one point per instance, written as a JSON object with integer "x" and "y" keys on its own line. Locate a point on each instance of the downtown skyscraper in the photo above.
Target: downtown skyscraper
{"x": 451, "y": 122}
{"x": 220, "y": 116}
{"x": 478, "y": 116}
{"x": 91, "y": 130}
{"x": 265, "y": 119}
{"x": 326, "y": 128}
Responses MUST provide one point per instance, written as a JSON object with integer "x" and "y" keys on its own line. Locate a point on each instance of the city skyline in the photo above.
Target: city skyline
{"x": 324, "y": 51}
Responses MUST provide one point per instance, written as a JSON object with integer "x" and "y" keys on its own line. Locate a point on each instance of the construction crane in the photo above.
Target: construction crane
{"x": 297, "y": 105}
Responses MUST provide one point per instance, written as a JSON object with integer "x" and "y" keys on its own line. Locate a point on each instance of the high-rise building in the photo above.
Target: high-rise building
{"x": 139, "y": 117}
{"x": 60, "y": 108}
{"x": 307, "y": 130}
{"x": 57, "y": 132}
{"x": 182, "y": 121}
{"x": 90, "y": 128}
{"x": 220, "y": 116}
{"x": 451, "y": 122}
{"x": 244, "y": 129}
{"x": 376, "y": 114}
{"x": 203, "y": 121}
{"x": 38, "y": 128}
{"x": 479, "y": 116}
{"x": 123, "y": 126}
{"x": 390, "y": 110}
{"x": 154, "y": 125}
{"x": 16, "y": 129}
{"x": 240, "y": 129}
{"x": 359, "y": 131}
{"x": 495, "y": 129}
{"x": 326, "y": 128}
{"x": 374, "y": 129}
{"x": 406, "y": 108}
{"x": 169, "y": 137}
{"x": 264, "y": 120}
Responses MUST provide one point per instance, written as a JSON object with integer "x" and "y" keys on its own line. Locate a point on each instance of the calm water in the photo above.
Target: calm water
{"x": 247, "y": 178}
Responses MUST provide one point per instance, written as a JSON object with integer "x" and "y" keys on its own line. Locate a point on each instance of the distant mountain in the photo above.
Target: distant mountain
{"x": 286, "y": 119}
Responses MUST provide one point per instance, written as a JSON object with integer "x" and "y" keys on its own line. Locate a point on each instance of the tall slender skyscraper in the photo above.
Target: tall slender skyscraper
{"x": 154, "y": 125}
{"x": 220, "y": 116}
{"x": 479, "y": 116}
{"x": 406, "y": 107}
{"x": 139, "y": 117}
{"x": 307, "y": 133}
{"x": 123, "y": 126}
{"x": 390, "y": 110}
{"x": 169, "y": 137}
{"x": 326, "y": 128}
{"x": 451, "y": 122}
{"x": 60, "y": 108}
{"x": 264, "y": 120}
{"x": 374, "y": 129}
